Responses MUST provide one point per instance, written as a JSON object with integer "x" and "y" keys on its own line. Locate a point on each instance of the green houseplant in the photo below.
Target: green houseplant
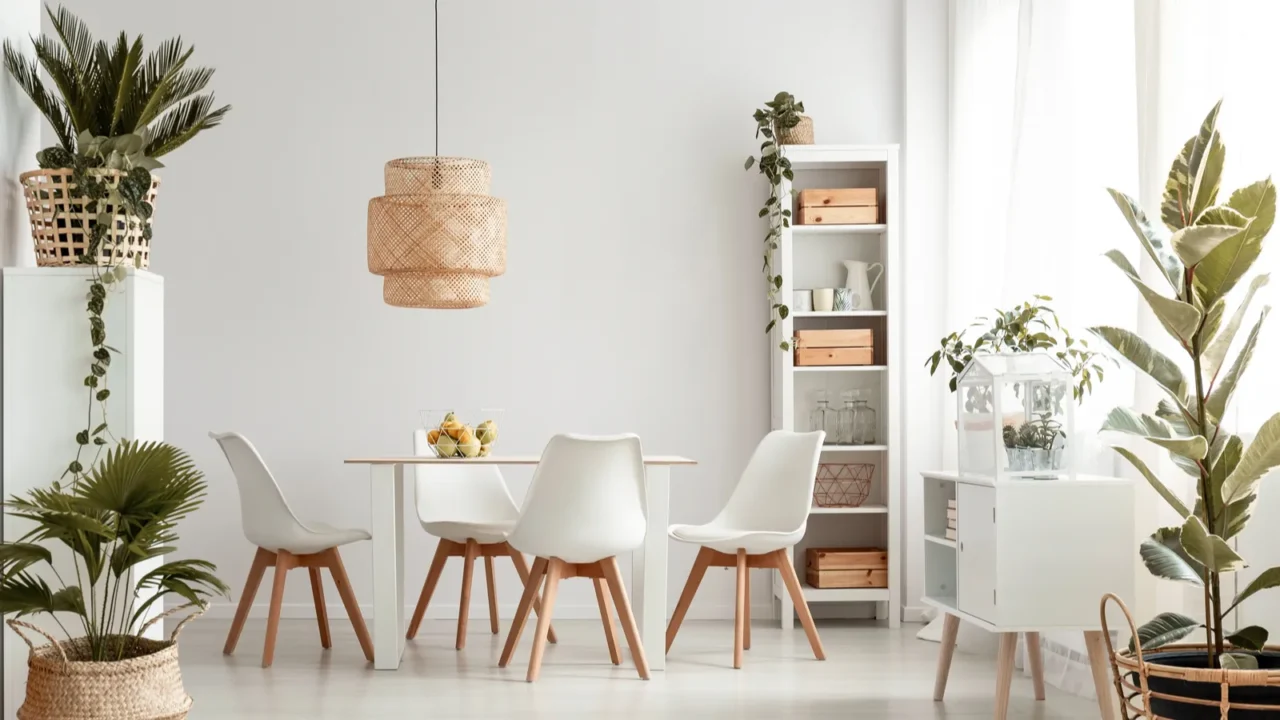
{"x": 1205, "y": 249}
{"x": 121, "y": 513}
{"x": 779, "y": 115}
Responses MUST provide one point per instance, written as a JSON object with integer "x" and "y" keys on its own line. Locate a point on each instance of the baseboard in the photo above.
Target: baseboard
{"x": 445, "y": 611}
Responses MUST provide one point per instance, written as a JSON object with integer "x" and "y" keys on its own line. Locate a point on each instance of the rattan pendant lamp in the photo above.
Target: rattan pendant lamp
{"x": 437, "y": 236}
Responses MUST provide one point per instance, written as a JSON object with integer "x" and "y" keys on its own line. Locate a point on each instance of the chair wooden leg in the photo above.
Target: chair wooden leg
{"x": 606, "y": 616}
{"x": 699, "y": 570}
{"x": 522, "y": 569}
{"x": 443, "y": 551}
{"x": 950, "y": 626}
{"x": 555, "y": 568}
{"x": 464, "y": 603}
{"x": 348, "y": 596}
{"x": 739, "y": 610}
{"x": 284, "y": 561}
{"x": 788, "y": 572}
{"x": 261, "y": 561}
{"x": 1004, "y": 672}
{"x": 623, "y": 604}
{"x": 493, "y": 595}
{"x": 522, "y": 610}
{"x": 1036, "y": 661}
{"x": 746, "y": 613}
{"x": 322, "y": 613}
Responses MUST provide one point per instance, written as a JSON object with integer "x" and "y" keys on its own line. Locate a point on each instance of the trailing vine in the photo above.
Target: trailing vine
{"x": 781, "y": 113}
{"x": 107, "y": 197}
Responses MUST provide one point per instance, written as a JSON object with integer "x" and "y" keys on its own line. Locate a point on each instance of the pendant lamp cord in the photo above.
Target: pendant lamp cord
{"x": 436, "y": 23}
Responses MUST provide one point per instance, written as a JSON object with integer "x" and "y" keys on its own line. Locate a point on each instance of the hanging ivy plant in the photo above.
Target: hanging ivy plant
{"x": 781, "y": 113}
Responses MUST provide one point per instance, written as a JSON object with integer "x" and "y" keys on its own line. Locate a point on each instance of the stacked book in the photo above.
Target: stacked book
{"x": 951, "y": 519}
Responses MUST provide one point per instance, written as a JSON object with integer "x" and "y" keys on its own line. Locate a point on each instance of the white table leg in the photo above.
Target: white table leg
{"x": 387, "y": 527}
{"x": 649, "y": 568}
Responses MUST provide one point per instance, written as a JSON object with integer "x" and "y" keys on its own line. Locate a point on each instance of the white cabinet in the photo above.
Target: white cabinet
{"x": 45, "y": 351}
{"x": 1029, "y": 556}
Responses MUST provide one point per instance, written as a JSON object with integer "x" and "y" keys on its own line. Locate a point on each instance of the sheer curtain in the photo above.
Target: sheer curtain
{"x": 1043, "y": 119}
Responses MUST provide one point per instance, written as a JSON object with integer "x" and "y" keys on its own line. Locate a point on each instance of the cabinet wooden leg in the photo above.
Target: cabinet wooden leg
{"x": 1100, "y": 665}
{"x": 950, "y": 626}
{"x": 1004, "y": 673}
{"x": 1037, "y": 663}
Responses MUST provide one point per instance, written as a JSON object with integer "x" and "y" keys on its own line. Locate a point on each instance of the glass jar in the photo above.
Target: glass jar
{"x": 864, "y": 423}
{"x": 827, "y": 419}
{"x": 848, "y": 420}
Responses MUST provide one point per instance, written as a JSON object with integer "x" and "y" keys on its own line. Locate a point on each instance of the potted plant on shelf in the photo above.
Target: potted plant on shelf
{"x": 114, "y": 112}
{"x": 1208, "y": 247}
{"x": 121, "y": 513}
{"x": 781, "y": 123}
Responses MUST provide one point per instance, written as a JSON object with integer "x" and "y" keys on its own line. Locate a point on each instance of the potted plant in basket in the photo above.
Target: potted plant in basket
{"x": 123, "y": 512}
{"x": 114, "y": 111}
{"x": 1208, "y": 248}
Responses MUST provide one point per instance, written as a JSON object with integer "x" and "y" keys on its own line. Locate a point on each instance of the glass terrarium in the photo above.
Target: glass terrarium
{"x": 1016, "y": 417}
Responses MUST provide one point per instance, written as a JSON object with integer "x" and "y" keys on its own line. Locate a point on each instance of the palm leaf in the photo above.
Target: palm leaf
{"x": 184, "y": 122}
{"x": 119, "y": 68}
{"x": 156, "y": 75}
{"x": 26, "y": 74}
{"x": 16, "y": 557}
{"x": 25, "y": 594}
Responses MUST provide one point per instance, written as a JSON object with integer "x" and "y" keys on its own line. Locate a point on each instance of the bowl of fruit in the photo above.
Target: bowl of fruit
{"x": 451, "y": 437}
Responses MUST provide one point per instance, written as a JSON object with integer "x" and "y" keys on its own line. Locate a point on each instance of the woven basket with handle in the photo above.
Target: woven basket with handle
{"x": 146, "y": 685}
{"x": 1132, "y": 672}
{"x": 60, "y": 225}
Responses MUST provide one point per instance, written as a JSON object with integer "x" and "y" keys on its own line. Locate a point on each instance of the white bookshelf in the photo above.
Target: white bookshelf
{"x": 809, "y": 256}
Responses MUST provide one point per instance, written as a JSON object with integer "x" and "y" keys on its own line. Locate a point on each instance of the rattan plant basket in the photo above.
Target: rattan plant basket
{"x": 146, "y": 685}
{"x": 801, "y": 134}
{"x": 1138, "y": 681}
{"x": 61, "y": 226}
{"x": 843, "y": 485}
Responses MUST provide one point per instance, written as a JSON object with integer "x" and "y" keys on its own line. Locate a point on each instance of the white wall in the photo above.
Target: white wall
{"x": 632, "y": 299}
{"x": 19, "y": 138}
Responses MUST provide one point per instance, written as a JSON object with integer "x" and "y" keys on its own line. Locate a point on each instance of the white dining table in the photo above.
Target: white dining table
{"x": 386, "y": 525}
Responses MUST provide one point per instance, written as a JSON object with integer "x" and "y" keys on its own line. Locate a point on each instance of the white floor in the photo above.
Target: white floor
{"x": 871, "y": 672}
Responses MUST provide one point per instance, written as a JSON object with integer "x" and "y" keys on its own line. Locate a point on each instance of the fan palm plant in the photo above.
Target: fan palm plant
{"x": 112, "y": 90}
{"x": 121, "y": 513}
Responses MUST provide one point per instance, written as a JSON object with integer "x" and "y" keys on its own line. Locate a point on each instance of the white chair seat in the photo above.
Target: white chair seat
{"x": 460, "y": 531}
{"x": 315, "y": 537}
{"x": 729, "y": 540}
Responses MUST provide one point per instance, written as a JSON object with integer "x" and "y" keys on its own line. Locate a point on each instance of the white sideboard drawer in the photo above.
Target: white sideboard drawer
{"x": 976, "y": 531}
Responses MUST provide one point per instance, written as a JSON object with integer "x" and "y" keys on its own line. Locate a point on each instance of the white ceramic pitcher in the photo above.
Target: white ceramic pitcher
{"x": 857, "y": 282}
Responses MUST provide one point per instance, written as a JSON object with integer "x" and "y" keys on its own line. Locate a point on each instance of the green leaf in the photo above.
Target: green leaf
{"x": 1164, "y": 491}
{"x": 1165, "y": 557}
{"x": 749, "y": 162}
{"x": 1224, "y": 387}
{"x": 1179, "y": 318}
{"x": 1141, "y": 355}
{"x": 102, "y": 394}
{"x": 1219, "y": 272}
{"x": 1154, "y": 239}
{"x": 1194, "y": 242}
{"x": 1213, "y": 356}
{"x": 769, "y": 328}
{"x": 1265, "y": 581}
{"x": 1249, "y": 638}
{"x": 1181, "y": 189}
{"x": 1157, "y": 431}
{"x": 1163, "y": 629}
{"x": 784, "y": 345}
{"x": 1237, "y": 661}
{"x": 1258, "y": 459}
{"x": 16, "y": 557}
{"x": 1210, "y": 550}
{"x": 763, "y": 212}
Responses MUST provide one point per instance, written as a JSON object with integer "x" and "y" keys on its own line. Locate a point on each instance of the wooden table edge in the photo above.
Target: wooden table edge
{"x": 496, "y": 460}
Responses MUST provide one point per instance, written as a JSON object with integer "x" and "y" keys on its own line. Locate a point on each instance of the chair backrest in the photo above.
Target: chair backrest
{"x": 459, "y": 492}
{"x": 267, "y": 518}
{"x": 775, "y": 492}
{"x": 586, "y": 501}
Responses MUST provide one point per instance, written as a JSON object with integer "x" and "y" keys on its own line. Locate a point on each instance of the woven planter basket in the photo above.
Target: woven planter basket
{"x": 1132, "y": 673}
{"x": 801, "y": 134}
{"x": 60, "y": 224}
{"x": 146, "y": 685}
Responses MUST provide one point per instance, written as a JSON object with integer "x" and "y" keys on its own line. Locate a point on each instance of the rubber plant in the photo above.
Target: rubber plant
{"x": 1204, "y": 249}
{"x": 780, "y": 113}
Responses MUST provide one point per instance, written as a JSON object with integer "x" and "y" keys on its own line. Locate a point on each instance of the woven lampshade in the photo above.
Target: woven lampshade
{"x": 437, "y": 236}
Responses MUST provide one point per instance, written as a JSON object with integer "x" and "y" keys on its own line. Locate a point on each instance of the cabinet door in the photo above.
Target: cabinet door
{"x": 976, "y": 570}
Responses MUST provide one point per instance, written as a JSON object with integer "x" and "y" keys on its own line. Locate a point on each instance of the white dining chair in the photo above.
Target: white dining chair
{"x": 586, "y": 505}
{"x": 470, "y": 510}
{"x": 285, "y": 542}
{"x": 765, "y": 517}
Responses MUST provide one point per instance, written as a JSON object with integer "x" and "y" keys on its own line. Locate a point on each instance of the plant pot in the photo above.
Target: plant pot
{"x": 60, "y": 225}
{"x": 801, "y": 134}
{"x": 145, "y": 685}
{"x": 1208, "y": 691}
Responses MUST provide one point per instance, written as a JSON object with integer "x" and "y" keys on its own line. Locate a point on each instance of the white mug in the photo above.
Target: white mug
{"x": 824, "y": 299}
{"x": 802, "y": 301}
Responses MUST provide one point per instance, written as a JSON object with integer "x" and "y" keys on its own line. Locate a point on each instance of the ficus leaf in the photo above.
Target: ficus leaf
{"x": 1249, "y": 638}
{"x": 1163, "y": 629}
{"x": 1209, "y": 550}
